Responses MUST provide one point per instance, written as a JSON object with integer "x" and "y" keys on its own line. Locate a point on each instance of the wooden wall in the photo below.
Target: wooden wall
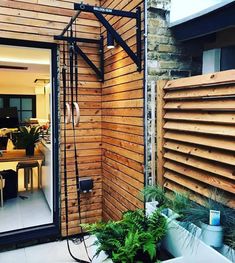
{"x": 120, "y": 158}
{"x": 88, "y": 143}
{"x": 196, "y": 135}
{"x": 122, "y": 120}
{"x": 40, "y": 20}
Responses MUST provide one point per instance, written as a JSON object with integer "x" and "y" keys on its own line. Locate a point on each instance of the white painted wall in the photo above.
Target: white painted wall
{"x": 43, "y": 106}
{"x": 184, "y": 8}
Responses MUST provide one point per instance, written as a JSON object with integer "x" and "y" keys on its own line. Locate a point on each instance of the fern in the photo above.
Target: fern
{"x": 157, "y": 225}
{"x": 149, "y": 244}
{"x": 135, "y": 242}
{"x": 127, "y": 252}
{"x": 135, "y": 219}
{"x": 133, "y": 237}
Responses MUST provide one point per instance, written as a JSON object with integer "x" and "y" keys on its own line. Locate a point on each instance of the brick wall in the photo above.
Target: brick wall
{"x": 167, "y": 58}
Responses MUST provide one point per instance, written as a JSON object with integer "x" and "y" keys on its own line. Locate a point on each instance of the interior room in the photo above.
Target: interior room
{"x": 25, "y": 138}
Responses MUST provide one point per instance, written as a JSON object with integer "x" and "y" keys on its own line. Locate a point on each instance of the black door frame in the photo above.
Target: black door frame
{"x": 43, "y": 232}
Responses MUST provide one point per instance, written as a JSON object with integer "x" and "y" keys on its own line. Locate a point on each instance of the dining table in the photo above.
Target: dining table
{"x": 19, "y": 155}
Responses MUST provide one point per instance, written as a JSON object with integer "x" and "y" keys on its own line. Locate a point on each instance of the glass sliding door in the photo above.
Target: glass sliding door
{"x": 28, "y": 159}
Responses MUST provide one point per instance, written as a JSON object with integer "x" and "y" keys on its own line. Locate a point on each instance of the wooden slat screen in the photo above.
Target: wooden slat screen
{"x": 122, "y": 120}
{"x": 196, "y": 135}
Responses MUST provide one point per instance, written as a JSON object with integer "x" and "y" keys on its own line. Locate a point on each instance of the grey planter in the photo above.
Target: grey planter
{"x": 212, "y": 235}
{"x": 186, "y": 247}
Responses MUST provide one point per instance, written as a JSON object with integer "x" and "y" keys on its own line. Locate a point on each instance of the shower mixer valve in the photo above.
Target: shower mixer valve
{"x": 85, "y": 185}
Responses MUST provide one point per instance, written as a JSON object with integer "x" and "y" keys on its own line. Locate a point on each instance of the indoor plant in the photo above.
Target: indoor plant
{"x": 135, "y": 238}
{"x": 27, "y": 138}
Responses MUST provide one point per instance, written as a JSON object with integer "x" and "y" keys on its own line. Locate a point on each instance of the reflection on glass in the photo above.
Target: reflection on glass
{"x": 1, "y": 103}
{"x": 15, "y": 102}
{"x": 26, "y": 104}
{"x": 26, "y": 115}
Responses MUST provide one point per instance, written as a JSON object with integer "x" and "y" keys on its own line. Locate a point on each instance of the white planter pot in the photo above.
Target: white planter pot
{"x": 185, "y": 247}
{"x": 151, "y": 207}
{"x": 212, "y": 235}
{"x": 170, "y": 213}
{"x": 188, "y": 248}
{"x": 103, "y": 257}
{"x": 228, "y": 252}
{"x": 180, "y": 243}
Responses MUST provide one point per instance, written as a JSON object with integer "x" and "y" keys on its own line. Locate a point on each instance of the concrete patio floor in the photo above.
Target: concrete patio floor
{"x": 54, "y": 252}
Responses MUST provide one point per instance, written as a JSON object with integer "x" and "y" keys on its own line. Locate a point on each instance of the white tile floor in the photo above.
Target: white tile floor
{"x": 55, "y": 252}
{"x": 18, "y": 213}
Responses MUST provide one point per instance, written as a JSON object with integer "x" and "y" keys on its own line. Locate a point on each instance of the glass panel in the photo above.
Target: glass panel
{"x": 19, "y": 116}
{"x": 26, "y": 104}
{"x": 26, "y": 115}
{"x": 43, "y": 197}
{"x": 15, "y": 102}
{"x": 1, "y": 103}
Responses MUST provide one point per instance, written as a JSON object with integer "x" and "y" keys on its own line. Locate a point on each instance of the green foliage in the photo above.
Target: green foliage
{"x": 109, "y": 235}
{"x": 27, "y": 136}
{"x": 179, "y": 202}
{"x": 135, "y": 220}
{"x": 156, "y": 219}
{"x": 192, "y": 212}
{"x": 196, "y": 213}
{"x": 229, "y": 238}
{"x": 156, "y": 193}
{"x": 134, "y": 242}
{"x": 133, "y": 239}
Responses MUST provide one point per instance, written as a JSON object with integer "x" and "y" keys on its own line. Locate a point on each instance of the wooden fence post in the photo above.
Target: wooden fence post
{"x": 160, "y": 130}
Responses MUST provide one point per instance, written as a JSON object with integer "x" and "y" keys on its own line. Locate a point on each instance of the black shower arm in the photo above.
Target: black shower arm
{"x": 99, "y": 11}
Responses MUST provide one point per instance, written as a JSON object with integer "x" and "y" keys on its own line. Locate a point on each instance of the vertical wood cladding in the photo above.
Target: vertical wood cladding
{"x": 122, "y": 120}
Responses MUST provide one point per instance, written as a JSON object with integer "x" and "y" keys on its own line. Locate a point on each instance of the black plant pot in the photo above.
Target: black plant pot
{"x": 29, "y": 150}
{"x": 143, "y": 257}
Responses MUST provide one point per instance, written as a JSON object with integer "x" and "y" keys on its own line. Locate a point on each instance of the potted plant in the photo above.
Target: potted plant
{"x": 135, "y": 238}
{"x": 155, "y": 193}
{"x": 212, "y": 233}
{"x": 171, "y": 207}
{"x": 27, "y": 138}
{"x": 193, "y": 224}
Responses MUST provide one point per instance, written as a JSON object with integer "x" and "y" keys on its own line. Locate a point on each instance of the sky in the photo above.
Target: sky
{"x": 183, "y": 8}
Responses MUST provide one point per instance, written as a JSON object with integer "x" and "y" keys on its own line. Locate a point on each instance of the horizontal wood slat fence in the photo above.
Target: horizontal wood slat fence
{"x": 196, "y": 135}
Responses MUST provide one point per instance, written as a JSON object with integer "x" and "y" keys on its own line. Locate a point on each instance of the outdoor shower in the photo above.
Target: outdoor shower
{"x": 71, "y": 108}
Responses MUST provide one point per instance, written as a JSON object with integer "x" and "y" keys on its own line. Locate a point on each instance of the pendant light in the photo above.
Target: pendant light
{"x": 110, "y": 41}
